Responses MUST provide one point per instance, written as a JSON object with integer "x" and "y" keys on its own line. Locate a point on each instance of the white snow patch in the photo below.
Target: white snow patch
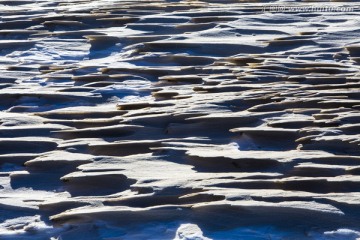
{"x": 189, "y": 231}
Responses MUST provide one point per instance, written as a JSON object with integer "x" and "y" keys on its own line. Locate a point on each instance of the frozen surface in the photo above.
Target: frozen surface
{"x": 185, "y": 120}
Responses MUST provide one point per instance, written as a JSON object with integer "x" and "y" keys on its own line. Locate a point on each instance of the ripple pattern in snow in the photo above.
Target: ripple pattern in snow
{"x": 179, "y": 120}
